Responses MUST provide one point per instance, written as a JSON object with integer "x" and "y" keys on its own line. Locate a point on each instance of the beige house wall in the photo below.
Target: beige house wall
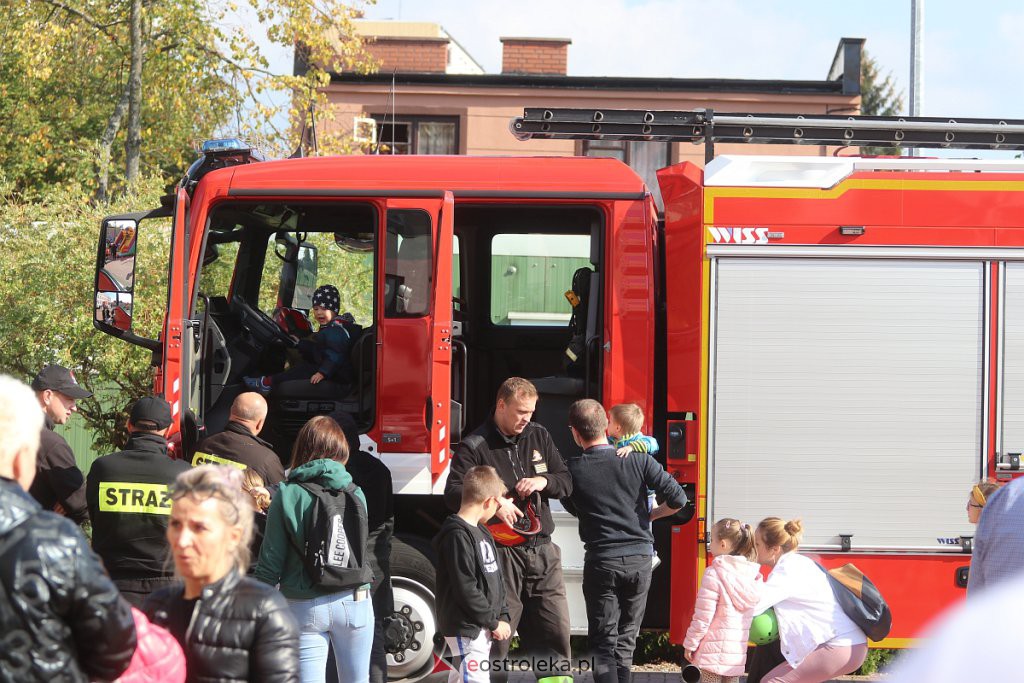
{"x": 484, "y": 113}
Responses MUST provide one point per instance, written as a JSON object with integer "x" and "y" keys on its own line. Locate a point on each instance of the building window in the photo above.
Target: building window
{"x": 643, "y": 157}
{"x": 417, "y": 134}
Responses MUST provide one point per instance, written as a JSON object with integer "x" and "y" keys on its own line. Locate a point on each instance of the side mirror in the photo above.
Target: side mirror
{"x": 306, "y": 267}
{"x": 115, "y": 273}
{"x": 114, "y": 289}
{"x": 114, "y": 309}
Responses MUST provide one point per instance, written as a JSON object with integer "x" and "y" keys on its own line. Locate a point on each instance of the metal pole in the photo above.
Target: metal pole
{"x": 916, "y": 58}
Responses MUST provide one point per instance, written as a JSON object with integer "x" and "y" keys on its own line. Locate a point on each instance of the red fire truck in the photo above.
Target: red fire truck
{"x": 832, "y": 338}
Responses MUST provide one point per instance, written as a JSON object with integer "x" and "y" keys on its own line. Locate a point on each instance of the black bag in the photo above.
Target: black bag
{"x": 336, "y": 535}
{"x": 860, "y": 600}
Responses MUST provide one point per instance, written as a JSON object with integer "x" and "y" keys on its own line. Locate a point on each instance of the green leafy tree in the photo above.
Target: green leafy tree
{"x": 878, "y": 97}
{"x": 47, "y": 250}
{"x": 94, "y": 95}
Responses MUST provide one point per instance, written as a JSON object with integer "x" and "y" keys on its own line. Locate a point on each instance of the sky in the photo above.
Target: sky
{"x": 973, "y": 61}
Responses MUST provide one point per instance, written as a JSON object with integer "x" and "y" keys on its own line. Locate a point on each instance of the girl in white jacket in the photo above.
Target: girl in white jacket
{"x": 716, "y": 641}
{"x": 818, "y": 640}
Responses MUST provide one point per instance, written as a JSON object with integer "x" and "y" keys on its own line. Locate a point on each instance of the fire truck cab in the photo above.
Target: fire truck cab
{"x": 456, "y": 269}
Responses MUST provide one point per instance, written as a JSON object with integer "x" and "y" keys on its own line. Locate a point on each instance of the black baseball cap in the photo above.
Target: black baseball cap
{"x": 58, "y": 378}
{"x": 152, "y": 413}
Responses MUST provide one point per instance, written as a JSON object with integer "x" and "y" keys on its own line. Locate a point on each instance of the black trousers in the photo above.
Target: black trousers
{"x": 537, "y": 605}
{"x": 615, "y": 591}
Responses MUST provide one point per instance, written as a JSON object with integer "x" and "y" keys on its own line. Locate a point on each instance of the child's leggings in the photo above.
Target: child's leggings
{"x": 472, "y": 656}
{"x": 826, "y": 662}
{"x": 708, "y": 677}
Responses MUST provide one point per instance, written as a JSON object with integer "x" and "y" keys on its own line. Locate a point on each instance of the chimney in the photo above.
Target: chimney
{"x": 538, "y": 56}
{"x": 409, "y": 54}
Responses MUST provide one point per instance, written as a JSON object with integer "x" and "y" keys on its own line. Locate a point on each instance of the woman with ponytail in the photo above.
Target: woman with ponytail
{"x": 818, "y": 640}
{"x": 980, "y": 493}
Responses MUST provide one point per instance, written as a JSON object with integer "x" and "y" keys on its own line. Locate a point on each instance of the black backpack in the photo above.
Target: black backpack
{"x": 860, "y": 600}
{"x": 336, "y": 534}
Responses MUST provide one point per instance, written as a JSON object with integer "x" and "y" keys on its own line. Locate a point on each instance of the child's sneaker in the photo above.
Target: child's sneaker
{"x": 257, "y": 384}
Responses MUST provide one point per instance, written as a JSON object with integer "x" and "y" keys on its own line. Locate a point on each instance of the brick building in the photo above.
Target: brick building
{"x": 429, "y": 96}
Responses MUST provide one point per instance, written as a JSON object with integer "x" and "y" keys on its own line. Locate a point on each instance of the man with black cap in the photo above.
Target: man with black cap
{"x": 130, "y": 503}
{"x": 59, "y": 484}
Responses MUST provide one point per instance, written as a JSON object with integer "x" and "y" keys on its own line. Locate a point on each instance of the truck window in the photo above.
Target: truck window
{"x": 218, "y": 269}
{"x": 351, "y": 273}
{"x": 530, "y": 274}
{"x": 457, "y": 302}
{"x": 408, "y": 267}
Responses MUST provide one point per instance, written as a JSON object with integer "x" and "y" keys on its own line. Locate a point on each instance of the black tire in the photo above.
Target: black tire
{"x": 413, "y": 557}
{"x": 410, "y": 641}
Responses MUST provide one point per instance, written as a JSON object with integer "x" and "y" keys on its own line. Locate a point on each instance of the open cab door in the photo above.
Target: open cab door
{"x": 415, "y": 325}
{"x": 180, "y": 345}
{"x": 441, "y": 344}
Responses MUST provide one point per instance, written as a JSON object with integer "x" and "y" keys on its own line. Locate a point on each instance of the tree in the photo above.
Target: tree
{"x": 46, "y": 251}
{"x": 78, "y": 76}
{"x": 878, "y": 97}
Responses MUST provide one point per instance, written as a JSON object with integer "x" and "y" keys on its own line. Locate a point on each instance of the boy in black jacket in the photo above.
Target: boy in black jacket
{"x": 471, "y": 604}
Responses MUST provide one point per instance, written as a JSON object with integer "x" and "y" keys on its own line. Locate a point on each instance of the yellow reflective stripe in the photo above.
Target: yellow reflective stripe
{"x": 148, "y": 499}
{"x": 210, "y": 459}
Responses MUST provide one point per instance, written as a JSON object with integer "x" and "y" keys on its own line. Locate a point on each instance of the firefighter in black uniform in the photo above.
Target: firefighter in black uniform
{"x": 59, "y": 484}
{"x": 130, "y": 503}
{"x": 239, "y": 443}
{"x": 528, "y": 462}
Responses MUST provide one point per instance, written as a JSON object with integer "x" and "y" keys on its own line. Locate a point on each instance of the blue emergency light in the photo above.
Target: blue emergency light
{"x": 223, "y": 145}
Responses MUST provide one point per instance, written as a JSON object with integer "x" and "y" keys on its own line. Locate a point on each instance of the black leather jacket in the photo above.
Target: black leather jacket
{"x": 61, "y": 618}
{"x": 241, "y": 630}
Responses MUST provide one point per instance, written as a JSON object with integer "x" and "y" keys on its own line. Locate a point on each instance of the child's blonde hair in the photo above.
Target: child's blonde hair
{"x": 480, "y": 483}
{"x": 253, "y": 484}
{"x": 738, "y": 534}
{"x": 775, "y": 531}
{"x": 630, "y": 417}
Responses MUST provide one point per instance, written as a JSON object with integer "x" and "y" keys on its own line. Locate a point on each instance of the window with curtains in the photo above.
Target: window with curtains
{"x": 643, "y": 157}
{"x": 398, "y": 134}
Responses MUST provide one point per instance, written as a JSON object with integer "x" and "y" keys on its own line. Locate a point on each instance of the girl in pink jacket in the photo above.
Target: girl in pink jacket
{"x": 716, "y": 641}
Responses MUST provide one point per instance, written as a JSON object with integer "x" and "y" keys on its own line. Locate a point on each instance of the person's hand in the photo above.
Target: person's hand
{"x": 528, "y": 486}
{"x": 688, "y": 654}
{"x": 316, "y": 378}
{"x": 503, "y": 632}
{"x": 508, "y": 512}
{"x": 624, "y": 452}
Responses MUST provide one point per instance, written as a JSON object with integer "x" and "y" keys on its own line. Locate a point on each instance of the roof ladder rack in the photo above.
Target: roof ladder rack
{"x": 708, "y": 127}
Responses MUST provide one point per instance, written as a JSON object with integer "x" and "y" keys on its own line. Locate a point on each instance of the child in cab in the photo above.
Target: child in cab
{"x": 716, "y": 641}
{"x": 325, "y": 354}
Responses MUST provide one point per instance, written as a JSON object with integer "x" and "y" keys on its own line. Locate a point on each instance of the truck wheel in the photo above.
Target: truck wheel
{"x": 409, "y": 637}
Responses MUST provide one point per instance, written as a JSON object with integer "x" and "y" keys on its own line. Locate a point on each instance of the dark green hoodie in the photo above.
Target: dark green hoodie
{"x": 279, "y": 561}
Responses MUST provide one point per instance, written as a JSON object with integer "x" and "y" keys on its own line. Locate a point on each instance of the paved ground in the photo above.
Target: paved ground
{"x": 664, "y": 677}
{"x": 649, "y": 677}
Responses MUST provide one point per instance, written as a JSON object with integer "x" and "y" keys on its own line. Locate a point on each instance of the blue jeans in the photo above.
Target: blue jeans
{"x": 343, "y": 623}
